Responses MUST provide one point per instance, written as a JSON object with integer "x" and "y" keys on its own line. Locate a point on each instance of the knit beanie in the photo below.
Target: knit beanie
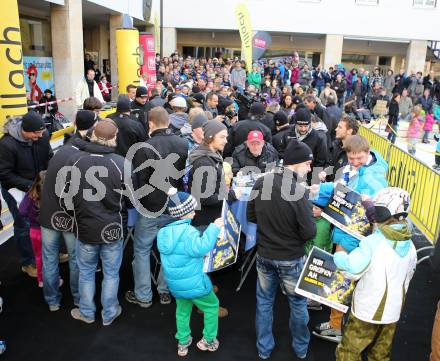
{"x": 105, "y": 130}
{"x": 198, "y": 121}
{"x": 257, "y": 109}
{"x": 211, "y": 128}
{"x": 85, "y": 119}
{"x": 180, "y": 203}
{"x": 303, "y": 116}
{"x": 297, "y": 152}
{"x": 32, "y": 122}
{"x": 123, "y": 104}
{"x": 280, "y": 118}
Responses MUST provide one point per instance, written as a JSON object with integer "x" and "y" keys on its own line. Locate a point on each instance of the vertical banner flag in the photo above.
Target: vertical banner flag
{"x": 148, "y": 69}
{"x": 156, "y": 33}
{"x": 129, "y": 58}
{"x": 12, "y": 88}
{"x": 260, "y": 43}
{"x": 245, "y": 29}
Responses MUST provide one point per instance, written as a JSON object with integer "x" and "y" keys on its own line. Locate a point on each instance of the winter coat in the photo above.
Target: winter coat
{"x": 266, "y": 161}
{"x": 82, "y": 93}
{"x": 139, "y": 113}
{"x": 99, "y": 218}
{"x": 415, "y": 128}
{"x": 129, "y": 132}
{"x": 177, "y": 121}
{"x": 405, "y": 106}
{"x": 337, "y": 159}
{"x": 339, "y": 88}
{"x": 278, "y": 141}
{"x": 254, "y": 78}
{"x": 207, "y": 184}
{"x": 269, "y": 122}
{"x": 51, "y": 109}
{"x": 393, "y": 113}
{"x": 386, "y": 267}
{"x": 295, "y": 75}
{"x": 426, "y": 103}
{"x": 157, "y": 101}
{"x": 182, "y": 249}
{"x": 166, "y": 154}
{"x": 52, "y": 214}
{"x": 389, "y": 84}
{"x": 368, "y": 180}
{"x": 429, "y": 123}
{"x": 322, "y": 239}
{"x": 21, "y": 159}
{"x": 29, "y": 209}
{"x": 283, "y": 225}
{"x": 305, "y": 77}
{"x": 238, "y": 78}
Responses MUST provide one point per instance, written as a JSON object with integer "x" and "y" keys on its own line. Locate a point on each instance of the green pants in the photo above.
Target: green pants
{"x": 208, "y": 305}
{"x": 360, "y": 336}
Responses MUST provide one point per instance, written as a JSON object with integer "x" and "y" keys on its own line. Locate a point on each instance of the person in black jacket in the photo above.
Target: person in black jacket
{"x": 255, "y": 153}
{"x": 129, "y": 131}
{"x": 393, "y": 118}
{"x": 284, "y": 224}
{"x": 316, "y": 141}
{"x": 140, "y": 107}
{"x": 268, "y": 119}
{"x": 239, "y": 132}
{"x": 55, "y": 222}
{"x": 283, "y": 128}
{"x": 99, "y": 208}
{"x": 163, "y": 157}
{"x": 24, "y": 152}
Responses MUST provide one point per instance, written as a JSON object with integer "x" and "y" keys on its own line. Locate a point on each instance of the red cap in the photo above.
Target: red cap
{"x": 255, "y": 135}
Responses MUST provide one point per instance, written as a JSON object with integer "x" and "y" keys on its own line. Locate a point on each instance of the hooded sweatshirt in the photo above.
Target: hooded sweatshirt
{"x": 386, "y": 261}
{"x": 21, "y": 159}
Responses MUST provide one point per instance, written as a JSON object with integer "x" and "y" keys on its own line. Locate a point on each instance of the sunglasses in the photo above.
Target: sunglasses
{"x": 32, "y": 74}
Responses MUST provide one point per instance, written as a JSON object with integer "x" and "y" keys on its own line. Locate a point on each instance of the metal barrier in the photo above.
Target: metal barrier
{"x": 407, "y": 172}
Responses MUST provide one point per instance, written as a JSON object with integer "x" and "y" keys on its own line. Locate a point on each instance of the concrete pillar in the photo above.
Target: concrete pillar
{"x": 333, "y": 50}
{"x": 103, "y": 35}
{"x": 416, "y": 55}
{"x": 67, "y": 51}
{"x": 115, "y": 23}
{"x": 169, "y": 41}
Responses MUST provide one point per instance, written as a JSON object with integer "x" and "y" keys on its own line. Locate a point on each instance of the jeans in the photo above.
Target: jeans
{"x": 21, "y": 230}
{"x": 111, "y": 258}
{"x": 392, "y": 135}
{"x": 145, "y": 232}
{"x": 270, "y": 274}
{"x": 51, "y": 243}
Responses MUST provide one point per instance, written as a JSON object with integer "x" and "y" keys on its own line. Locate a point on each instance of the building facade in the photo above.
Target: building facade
{"x": 388, "y": 33}
{"x": 56, "y": 34}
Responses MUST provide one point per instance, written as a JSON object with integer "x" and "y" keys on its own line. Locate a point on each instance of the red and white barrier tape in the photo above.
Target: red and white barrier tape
{"x": 50, "y": 103}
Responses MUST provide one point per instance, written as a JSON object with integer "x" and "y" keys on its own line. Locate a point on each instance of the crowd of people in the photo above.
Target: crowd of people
{"x": 168, "y": 155}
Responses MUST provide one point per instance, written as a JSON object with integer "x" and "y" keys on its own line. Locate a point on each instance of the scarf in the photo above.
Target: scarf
{"x": 302, "y": 137}
{"x": 397, "y": 235}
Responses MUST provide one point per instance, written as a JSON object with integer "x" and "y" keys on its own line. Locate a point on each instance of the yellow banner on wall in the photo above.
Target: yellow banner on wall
{"x": 129, "y": 58}
{"x": 12, "y": 88}
{"x": 245, "y": 29}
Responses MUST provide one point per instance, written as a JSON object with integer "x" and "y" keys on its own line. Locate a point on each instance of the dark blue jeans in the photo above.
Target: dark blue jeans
{"x": 21, "y": 230}
{"x": 272, "y": 274}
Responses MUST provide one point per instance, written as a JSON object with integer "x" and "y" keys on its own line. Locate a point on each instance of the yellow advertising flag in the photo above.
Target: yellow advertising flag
{"x": 245, "y": 29}
{"x": 129, "y": 58}
{"x": 12, "y": 88}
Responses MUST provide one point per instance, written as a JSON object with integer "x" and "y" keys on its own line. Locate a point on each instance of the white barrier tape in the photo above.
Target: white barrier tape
{"x": 50, "y": 103}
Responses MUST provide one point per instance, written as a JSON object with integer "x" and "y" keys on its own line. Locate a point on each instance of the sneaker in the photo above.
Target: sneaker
{"x": 182, "y": 349}
{"x": 263, "y": 357}
{"x": 30, "y": 270}
{"x": 165, "y": 298}
{"x": 60, "y": 282}
{"x": 109, "y": 322}
{"x": 208, "y": 346}
{"x": 54, "y": 308}
{"x": 77, "y": 315}
{"x": 313, "y": 305}
{"x": 64, "y": 257}
{"x": 308, "y": 357}
{"x": 326, "y": 332}
{"x": 2, "y": 347}
{"x": 131, "y": 297}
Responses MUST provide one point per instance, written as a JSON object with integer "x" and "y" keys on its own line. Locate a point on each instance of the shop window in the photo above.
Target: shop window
{"x": 426, "y": 4}
{"x": 36, "y": 37}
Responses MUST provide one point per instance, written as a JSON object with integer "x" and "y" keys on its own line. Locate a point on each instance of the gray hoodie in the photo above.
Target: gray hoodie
{"x": 178, "y": 120}
{"x": 13, "y": 128}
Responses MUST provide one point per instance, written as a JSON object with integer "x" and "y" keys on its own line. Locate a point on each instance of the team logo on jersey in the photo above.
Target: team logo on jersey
{"x": 111, "y": 232}
{"x": 61, "y": 221}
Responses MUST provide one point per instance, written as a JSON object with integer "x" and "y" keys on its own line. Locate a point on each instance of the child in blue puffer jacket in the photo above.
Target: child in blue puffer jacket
{"x": 182, "y": 249}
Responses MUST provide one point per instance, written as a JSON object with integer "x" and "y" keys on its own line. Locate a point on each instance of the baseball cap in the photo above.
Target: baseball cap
{"x": 141, "y": 91}
{"x": 255, "y": 136}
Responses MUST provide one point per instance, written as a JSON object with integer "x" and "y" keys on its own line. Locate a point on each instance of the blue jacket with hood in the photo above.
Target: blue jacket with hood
{"x": 181, "y": 250}
{"x": 369, "y": 180}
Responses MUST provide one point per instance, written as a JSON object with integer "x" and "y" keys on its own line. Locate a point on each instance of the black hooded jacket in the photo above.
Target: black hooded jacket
{"x": 242, "y": 157}
{"x": 99, "y": 204}
{"x": 21, "y": 159}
